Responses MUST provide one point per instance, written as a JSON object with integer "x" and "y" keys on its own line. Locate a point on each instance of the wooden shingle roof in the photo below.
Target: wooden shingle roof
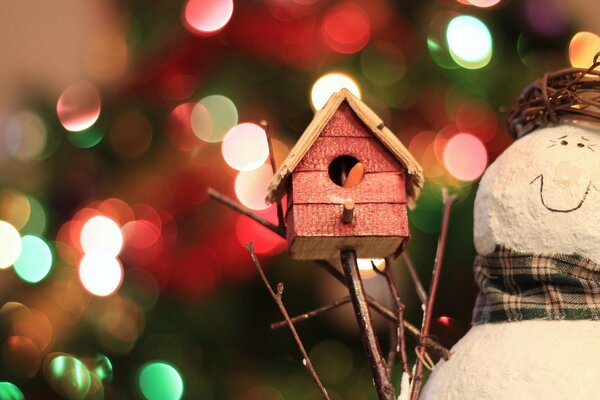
{"x": 414, "y": 177}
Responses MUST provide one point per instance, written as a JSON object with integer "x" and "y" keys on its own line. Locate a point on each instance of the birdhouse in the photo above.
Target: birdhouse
{"x": 348, "y": 182}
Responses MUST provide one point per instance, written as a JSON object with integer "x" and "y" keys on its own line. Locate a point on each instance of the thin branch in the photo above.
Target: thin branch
{"x": 243, "y": 210}
{"x": 415, "y": 278}
{"x": 400, "y": 341}
{"x": 265, "y": 125}
{"x": 383, "y": 384}
{"x": 277, "y": 298}
{"x": 313, "y": 313}
{"x": 333, "y": 271}
{"x": 437, "y": 268}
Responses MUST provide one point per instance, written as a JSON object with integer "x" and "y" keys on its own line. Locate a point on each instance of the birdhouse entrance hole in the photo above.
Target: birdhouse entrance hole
{"x": 346, "y": 171}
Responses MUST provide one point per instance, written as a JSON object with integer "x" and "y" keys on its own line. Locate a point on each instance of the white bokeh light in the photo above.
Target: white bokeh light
{"x": 328, "y": 84}
{"x": 100, "y": 274}
{"x": 10, "y": 245}
{"x": 245, "y": 147}
{"x": 101, "y": 235}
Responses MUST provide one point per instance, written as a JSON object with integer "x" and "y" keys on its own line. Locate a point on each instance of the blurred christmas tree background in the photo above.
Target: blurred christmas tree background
{"x": 120, "y": 278}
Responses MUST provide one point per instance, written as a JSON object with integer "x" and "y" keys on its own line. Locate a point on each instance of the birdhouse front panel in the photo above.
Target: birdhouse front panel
{"x": 346, "y": 162}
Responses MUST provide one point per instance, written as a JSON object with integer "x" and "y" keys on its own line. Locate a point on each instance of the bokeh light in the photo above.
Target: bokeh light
{"x": 100, "y": 274}
{"x": 365, "y": 266}
{"x": 328, "y": 84}
{"x": 11, "y": 138}
{"x": 36, "y": 224}
{"x": 87, "y": 138}
{"x": 582, "y": 49}
{"x": 15, "y": 208}
{"x": 101, "y": 235}
{"x": 8, "y": 391}
{"x": 477, "y": 118}
{"x": 212, "y": 117}
{"x": 483, "y": 3}
{"x": 469, "y": 41}
{"x": 179, "y": 128}
{"x": 33, "y": 136}
{"x": 265, "y": 241}
{"x": 35, "y": 260}
{"x": 346, "y": 28}
{"x": 160, "y": 381}
{"x": 21, "y": 356}
{"x": 245, "y": 147}
{"x": 67, "y": 376}
{"x": 251, "y": 187}
{"x": 465, "y": 157}
{"x": 78, "y": 106}
{"x": 207, "y": 16}
{"x": 10, "y": 245}
{"x": 548, "y": 18}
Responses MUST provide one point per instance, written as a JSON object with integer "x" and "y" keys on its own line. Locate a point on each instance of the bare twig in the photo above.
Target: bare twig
{"x": 277, "y": 298}
{"x": 383, "y": 384}
{"x": 437, "y": 268}
{"x": 243, "y": 210}
{"x": 400, "y": 341}
{"x": 313, "y": 313}
{"x": 331, "y": 270}
{"x": 265, "y": 125}
{"x": 415, "y": 278}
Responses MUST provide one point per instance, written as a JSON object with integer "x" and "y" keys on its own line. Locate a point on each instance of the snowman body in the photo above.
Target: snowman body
{"x": 541, "y": 196}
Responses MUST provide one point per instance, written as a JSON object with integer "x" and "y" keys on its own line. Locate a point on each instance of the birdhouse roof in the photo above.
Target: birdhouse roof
{"x": 414, "y": 177}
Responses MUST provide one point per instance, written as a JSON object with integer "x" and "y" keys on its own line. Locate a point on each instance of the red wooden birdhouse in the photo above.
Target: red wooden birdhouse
{"x": 348, "y": 181}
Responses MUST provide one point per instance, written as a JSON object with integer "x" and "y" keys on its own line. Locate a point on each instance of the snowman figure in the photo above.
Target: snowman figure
{"x": 536, "y": 323}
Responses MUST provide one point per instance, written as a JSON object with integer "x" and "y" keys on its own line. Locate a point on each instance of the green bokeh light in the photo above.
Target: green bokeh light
{"x": 36, "y": 224}
{"x": 8, "y": 391}
{"x": 469, "y": 41}
{"x": 69, "y": 377}
{"x": 102, "y": 368}
{"x": 160, "y": 381}
{"x": 35, "y": 260}
{"x": 86, "y": 139}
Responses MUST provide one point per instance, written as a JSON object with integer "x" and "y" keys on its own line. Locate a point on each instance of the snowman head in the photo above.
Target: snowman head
{"x": 542, "y": 194}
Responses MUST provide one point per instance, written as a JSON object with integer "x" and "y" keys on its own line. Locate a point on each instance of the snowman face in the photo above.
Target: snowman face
{"x": 543, "y": 195}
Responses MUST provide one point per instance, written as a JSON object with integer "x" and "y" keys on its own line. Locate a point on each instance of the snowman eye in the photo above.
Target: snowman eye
{"x": 564, "y": 142}
{"x": 580, "y": 145}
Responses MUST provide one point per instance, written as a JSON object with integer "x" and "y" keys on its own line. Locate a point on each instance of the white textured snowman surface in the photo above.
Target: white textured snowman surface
{"x": 542, "y": 195}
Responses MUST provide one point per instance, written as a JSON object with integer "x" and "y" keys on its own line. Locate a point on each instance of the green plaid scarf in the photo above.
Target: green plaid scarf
{"x": 520, "y": 286}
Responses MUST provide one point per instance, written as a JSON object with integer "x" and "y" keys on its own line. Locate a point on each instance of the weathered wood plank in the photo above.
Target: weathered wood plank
{"x": 316, "y": 248}
{"x": 317, "y": 187}
{"x": 323, "y": 220}
{"x": 368, "y": 151}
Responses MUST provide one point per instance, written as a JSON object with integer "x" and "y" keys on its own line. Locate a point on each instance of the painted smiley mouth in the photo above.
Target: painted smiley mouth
{"x": 577, "y": 207}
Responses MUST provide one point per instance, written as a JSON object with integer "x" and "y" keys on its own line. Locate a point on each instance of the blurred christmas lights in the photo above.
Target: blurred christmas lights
{"x": 328, "y": 84}
{"x": 35, "y": 261}
{"x": 160, "y": 381}
{"x": 78, "y": 106}
{"x": 212, "y": 117}
{"x": 346, "y": 28}
{"x": 207, "y": 16}
{"x": 100, "y": 274}
{"x": 10, "y": 245}
{"x": 245, "y": 147}
{"x": 465, "y": 157}
{"x": 251, "y": 187}
{"x": 469, "y": 41}
{"x": 582, "y": 49}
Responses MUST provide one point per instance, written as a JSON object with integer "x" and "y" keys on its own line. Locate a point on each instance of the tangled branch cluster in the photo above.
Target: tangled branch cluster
{"x": 568, "y": 94}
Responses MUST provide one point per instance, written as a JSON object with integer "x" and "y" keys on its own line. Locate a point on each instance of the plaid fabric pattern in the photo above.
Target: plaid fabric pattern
{"x": 520, "y": 286}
